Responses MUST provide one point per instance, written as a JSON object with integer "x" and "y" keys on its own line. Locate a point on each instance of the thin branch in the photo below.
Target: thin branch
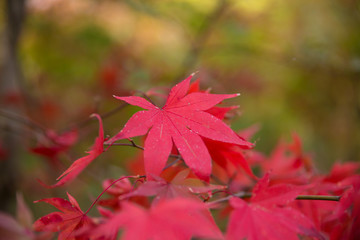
{"x": 115, "y": 110}
{"x": 24, "y": 120}
{"x": 104, "y": 191}
{"x": 300, "y": 197}
{"x": 133, "y": 144}
{"x": 318, "y": 197}
{"x": 37, "y": 127}
{"x": 103, "y": 116}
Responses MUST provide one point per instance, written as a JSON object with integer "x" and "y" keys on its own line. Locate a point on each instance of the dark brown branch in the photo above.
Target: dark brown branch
{"x": 132, "y": 144}
{"x": 300, "y": 197}
{"x": 318, "y": 197}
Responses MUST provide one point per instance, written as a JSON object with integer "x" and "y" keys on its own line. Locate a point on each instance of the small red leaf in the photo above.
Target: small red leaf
{"x": 69, "y": 221}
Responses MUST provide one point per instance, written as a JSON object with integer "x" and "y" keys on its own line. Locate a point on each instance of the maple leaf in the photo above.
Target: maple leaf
{"x": 78, "y": 166}
{"x": 218, "y": 112}
{"x": 57, "y": 144}
{"x": 339, "y": 172}
{"x": 344, "y": 221}
{"x": 20, "y": 228}
{"x": 181, "y": 120}
{"x": 171, "y": 219}
{"x": 224, "y": 153}
{"x": 263, "y": 218}
{"x": 288, "y": 163}
{"x": 180, "y": 186}
{"x": 69, "y": 221}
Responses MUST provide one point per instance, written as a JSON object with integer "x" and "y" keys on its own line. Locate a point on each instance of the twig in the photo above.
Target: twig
{"x": 318, "y": 197}
{"x": 115, "y": 110}
{"x": 87, "y": 121}
{"x": 132, "y": 144}
{"x": 300, "y": 197}
{"x": 24, "y": 120}
{"x": 107, "y": 188}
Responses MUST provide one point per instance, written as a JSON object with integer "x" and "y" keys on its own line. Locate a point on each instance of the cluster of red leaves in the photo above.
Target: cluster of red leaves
{"x": 211, "y": 176}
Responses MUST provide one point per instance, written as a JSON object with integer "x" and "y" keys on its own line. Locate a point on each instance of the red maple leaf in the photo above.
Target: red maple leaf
{"x": 181, "y": 120}
{"x": 68, "y": 222}
{"x": 340, "y": 172}
{"x": 265, "y": 218}
{"x": 180, "y": 186}
{"x": 344, "y": 221}
{"x": 288, "y": 163}
{"x": 171, "y": 219}
{"x": 78, "y": 166}
{"x": 56, "y": 145}
{"x": 21, "y": 226}
{"x": 225, "y": 153}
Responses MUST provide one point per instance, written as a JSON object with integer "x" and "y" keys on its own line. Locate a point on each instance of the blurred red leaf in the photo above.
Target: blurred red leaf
{"x": 171, "y": 219}
{"x": 79, "y": 165}
{"x": 263, "y": 218}
{"x": 56, "y": 145}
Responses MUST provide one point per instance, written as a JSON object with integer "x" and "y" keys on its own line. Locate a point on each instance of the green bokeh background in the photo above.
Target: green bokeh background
{"x": 296, "y": 64}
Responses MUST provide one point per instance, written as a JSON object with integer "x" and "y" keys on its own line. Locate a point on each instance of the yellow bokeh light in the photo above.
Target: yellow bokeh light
{"x": 202, "y": 5}
{"x": 252, "y": 6}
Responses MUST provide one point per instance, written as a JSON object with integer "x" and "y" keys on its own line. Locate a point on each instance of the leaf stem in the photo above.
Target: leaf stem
{"x": 300, "y": 197}
{"x": 318, "y": 197}
{"x": 125, "y": 144}
{"x": 145, "y": 96}
{"x": 107, "y": 188}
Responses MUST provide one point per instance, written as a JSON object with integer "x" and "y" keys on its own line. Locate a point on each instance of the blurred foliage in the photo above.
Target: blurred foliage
{"x": 296, "y": 64}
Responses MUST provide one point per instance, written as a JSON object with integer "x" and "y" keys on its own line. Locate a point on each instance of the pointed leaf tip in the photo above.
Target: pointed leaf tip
{"x": 196, "y": 72}
{"x": 95, "y": 115}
